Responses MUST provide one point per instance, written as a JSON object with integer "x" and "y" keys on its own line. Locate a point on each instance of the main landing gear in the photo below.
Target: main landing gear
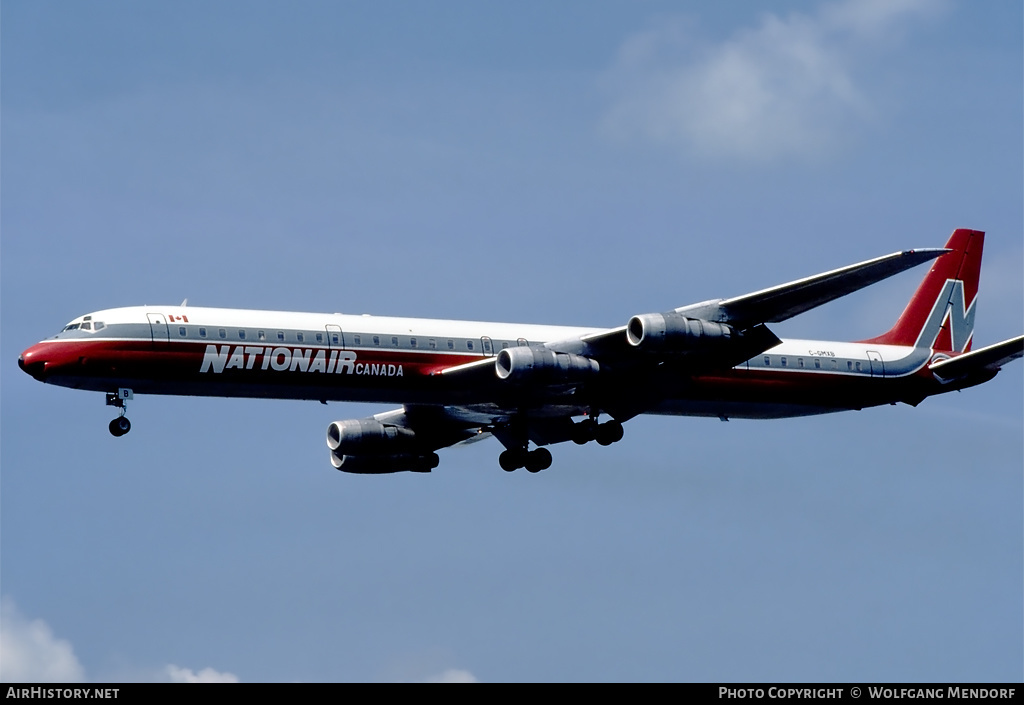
{"x": 590, "y": 430}
{"x": 519, "y": 455}
{"x": 121, "y": 425}
{"x": 532, "y": 460}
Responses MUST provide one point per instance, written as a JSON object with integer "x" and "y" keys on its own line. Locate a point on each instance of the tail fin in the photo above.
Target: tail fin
{"x": 940, "y": 315}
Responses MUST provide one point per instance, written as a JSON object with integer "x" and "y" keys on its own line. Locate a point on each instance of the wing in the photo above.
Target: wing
{"x": 782, "y": 302}
{"x": 406, "y": 439}
{"x": 746, "y": 312}
{"x": 605, "y": 369}
{"x": 531, "y": 393}
{"x": 984, "y": 361}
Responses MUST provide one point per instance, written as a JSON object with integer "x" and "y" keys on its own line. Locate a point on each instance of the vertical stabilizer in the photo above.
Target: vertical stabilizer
{"x": 940, "y": 315}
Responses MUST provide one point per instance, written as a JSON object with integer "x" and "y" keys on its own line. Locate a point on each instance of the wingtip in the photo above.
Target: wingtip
{"x": 932, "y": 251}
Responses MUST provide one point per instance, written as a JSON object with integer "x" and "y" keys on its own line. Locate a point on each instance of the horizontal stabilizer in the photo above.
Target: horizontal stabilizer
{"x": 989, "y": 358}
{"x": 782, "y": 302}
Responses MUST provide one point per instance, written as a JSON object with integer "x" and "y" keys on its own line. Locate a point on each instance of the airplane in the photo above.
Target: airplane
{"x": 461, "y": 381}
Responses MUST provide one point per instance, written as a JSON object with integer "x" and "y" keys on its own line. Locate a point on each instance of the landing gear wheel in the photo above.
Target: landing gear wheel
{"x": 120, "y": 426}
{"x": 508, "y": 460}
{"x": 610, "y": 432}
{"x": 538, "y": 460}
{"x": 584, "y": 431}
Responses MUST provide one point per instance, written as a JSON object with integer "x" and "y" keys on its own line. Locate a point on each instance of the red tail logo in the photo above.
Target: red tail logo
{"x": 940, "y": 315}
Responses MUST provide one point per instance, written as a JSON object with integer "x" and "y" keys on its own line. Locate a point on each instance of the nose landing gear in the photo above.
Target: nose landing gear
{"x": 121, "y": 425}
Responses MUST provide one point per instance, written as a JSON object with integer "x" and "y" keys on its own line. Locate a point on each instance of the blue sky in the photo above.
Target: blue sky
{"x": 574, "y": 163}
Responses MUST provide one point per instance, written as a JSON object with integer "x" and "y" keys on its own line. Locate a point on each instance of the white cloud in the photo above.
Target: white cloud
{"x": 207, "y": 675}
{"x": 783, "y": 88}
{"x": 453, "y": 675}
{"x": 30, "y": 653}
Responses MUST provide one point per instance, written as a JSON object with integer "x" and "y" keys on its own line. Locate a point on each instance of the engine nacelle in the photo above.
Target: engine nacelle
{"x": 369, "y": 437}
{"x": 673, "y": 332}
{"x": 523, "y": 364}
{"x": 384, "y": 464}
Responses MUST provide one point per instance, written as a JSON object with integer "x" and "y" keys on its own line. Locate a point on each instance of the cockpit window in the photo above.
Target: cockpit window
{"x": 86, "y": 324}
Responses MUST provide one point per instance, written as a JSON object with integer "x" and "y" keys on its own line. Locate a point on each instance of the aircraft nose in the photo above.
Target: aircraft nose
{"x": 32, "y": 362}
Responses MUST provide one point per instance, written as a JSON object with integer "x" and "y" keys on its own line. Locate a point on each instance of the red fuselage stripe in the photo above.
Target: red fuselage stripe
{"x": 297, "y": 371}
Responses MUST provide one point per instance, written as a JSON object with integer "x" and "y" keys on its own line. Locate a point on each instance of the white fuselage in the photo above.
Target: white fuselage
{"x": 228, "y": 352}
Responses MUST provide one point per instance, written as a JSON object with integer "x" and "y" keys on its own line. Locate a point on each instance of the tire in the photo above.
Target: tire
{"x": 584, "y": 432}
{"x": 538, "y": 460}
{"x": 508, "y": 461}
{"x": 610, "y": 432}
{"x": 544, "y": 455}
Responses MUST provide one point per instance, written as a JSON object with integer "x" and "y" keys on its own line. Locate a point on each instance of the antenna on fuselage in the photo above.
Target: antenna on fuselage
{"x": 184, "y": 302}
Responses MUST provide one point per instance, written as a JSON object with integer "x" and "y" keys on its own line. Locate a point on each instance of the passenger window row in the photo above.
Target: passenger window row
{"x": 353, "y": 339}
{"x": 830, "y": 364}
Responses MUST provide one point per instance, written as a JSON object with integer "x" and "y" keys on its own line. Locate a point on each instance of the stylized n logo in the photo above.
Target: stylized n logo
{"x": 959, "y": 318}
{"x": 951, "y": 322}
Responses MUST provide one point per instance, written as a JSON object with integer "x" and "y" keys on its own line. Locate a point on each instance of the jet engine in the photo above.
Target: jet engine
{"x": 522, "y": 364}
{"x": 369, "y": 436}
{"x": 675, "y": 333}
{"x": 369, "y": 447}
